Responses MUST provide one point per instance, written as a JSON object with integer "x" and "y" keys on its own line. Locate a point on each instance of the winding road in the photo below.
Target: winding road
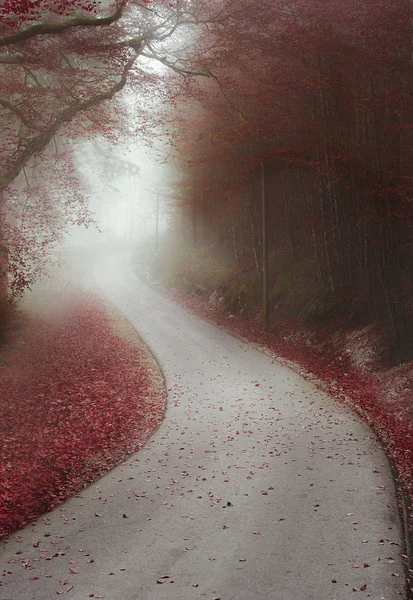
{"x": 257, "y": 486}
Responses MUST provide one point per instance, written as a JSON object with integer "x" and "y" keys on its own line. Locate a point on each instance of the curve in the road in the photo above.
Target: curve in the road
{"x": 256, "y": 486}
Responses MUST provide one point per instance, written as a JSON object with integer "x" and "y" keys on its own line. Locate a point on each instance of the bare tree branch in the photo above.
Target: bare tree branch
{"x": 16, "y": 111}
{"x": 39, "y": 142}
{"x": 162, "y": 59}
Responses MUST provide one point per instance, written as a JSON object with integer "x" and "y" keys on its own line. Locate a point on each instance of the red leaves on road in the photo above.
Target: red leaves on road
{"x": 390, "y": 414}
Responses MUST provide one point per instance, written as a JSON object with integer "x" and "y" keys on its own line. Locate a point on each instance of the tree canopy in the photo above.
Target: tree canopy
{"x": 61, "y": 63}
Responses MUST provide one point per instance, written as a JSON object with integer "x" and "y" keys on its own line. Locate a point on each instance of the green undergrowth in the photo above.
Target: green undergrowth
{"x": 241, "y": 292}
{"x": 293, "y": 285}
{"x": 296, "y": 291}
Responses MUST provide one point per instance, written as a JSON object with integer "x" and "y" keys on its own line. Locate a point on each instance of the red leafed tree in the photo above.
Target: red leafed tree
{"x": 61, "y": 64}
{"x": 320, "y": 92}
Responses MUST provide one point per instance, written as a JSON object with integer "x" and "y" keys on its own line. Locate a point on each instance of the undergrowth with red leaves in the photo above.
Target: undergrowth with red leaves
{"x": 75, "y": 400}
{"x": 319, "y": 352}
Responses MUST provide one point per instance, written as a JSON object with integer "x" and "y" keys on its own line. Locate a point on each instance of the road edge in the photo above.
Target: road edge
{"x": 115, "y": 315}
{"x": 404, "y": 505}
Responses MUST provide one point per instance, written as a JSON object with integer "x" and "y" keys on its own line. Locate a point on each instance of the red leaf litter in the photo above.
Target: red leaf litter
{"x": 75, "y": 400}
{"x": 383, "y": 398}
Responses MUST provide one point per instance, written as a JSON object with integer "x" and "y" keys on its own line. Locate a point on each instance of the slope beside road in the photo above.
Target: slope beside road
{"x": 257, "y": 485}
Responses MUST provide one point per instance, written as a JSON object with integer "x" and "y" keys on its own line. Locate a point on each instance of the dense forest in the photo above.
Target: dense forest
{"x": 304, "y": 104}
{"x": 286, "y": 129}
{"x": 314, "y": 111}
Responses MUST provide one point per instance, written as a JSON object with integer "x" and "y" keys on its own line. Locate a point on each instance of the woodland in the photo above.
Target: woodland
{"x": 315, "y": 114}
{"x": 305, "y": 104}
{"x": 313, "y": 97}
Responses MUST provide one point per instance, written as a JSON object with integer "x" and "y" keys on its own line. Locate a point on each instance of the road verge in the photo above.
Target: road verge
{"x": 80, "y": 392}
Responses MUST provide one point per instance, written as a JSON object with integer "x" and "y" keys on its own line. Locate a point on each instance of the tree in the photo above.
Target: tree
{"x": 321, "y": 93}
{"x": 61, "y": 63}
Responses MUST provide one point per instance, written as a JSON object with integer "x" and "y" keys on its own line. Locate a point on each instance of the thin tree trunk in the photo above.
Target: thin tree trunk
{"x": 234, "y": 240}
{"x": 254, "y": 240}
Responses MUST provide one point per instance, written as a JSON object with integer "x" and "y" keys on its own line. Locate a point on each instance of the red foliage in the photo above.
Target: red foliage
{"x": 58, "y": 61}
{"x": 305, "y": 85}
{"x": 36, "y": 217}
{"x": 75, "y": 401}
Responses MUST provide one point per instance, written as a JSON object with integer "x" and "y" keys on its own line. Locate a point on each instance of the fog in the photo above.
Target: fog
{"x": 129, "y": 193}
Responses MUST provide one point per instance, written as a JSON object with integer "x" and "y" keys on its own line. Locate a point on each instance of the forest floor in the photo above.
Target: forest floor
{"x": 256, "y": 485}
{"x": 79, "y": 392}
{"x": 346, "y": 362}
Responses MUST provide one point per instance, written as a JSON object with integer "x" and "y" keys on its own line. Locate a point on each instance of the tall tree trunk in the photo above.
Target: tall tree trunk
{"x": 254, "y": 237}
{"x": 234, "y": 240}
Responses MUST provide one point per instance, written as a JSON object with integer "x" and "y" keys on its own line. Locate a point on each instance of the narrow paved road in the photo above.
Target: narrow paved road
{"x": 257, "y": 486}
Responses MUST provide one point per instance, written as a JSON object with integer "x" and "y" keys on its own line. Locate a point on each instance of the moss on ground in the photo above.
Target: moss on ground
{"x": 242, "y": 293}
{"x": 293, "y": 285}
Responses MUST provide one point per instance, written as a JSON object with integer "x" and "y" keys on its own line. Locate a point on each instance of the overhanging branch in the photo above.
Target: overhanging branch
{"x": 16, "y": 111}
{"x": 186, "y": 72}
{"x": 39, "y": 142}
{"x": 182, "y": 71}
{"x": 53, "y": 28}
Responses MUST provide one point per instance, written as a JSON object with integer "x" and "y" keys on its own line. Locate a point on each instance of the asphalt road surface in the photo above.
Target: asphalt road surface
{"x": 257, "y": 486}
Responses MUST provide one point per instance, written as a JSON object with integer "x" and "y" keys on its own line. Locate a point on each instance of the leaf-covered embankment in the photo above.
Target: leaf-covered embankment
{"x": 79, "y": 392}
